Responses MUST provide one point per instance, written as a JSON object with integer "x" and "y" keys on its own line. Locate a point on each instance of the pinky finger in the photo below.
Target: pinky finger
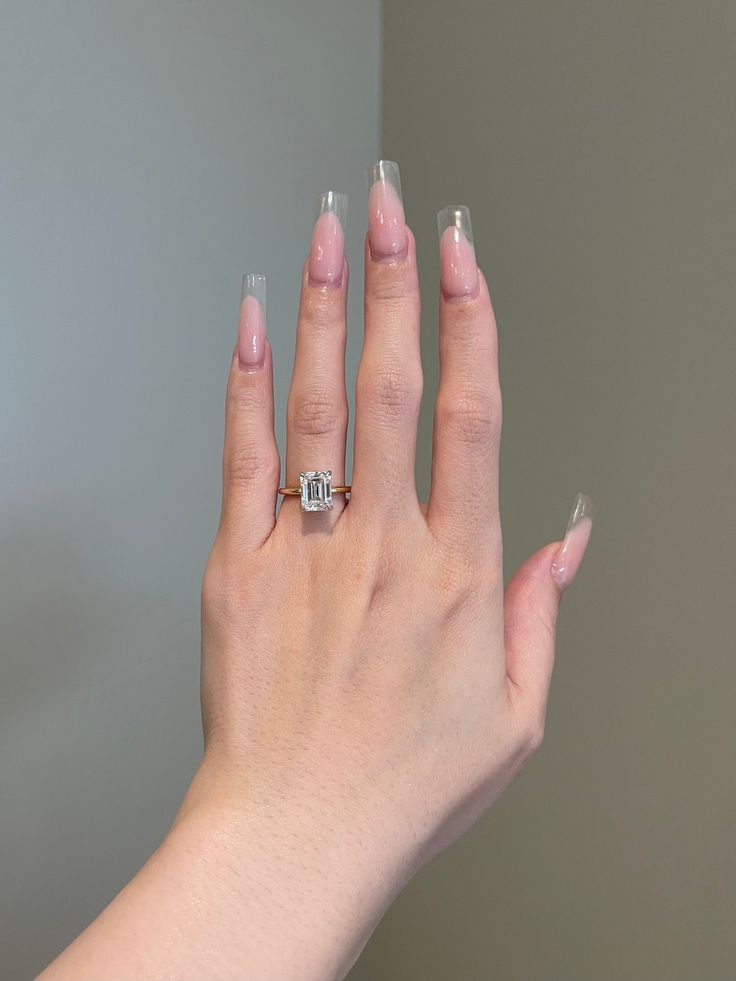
{"x": 251, "y": 465}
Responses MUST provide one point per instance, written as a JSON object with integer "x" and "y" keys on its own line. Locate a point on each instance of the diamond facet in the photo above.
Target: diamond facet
{"x": 316, "y": 486}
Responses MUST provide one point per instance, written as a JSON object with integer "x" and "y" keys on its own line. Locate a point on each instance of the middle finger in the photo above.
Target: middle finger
{"x": 317, "y": 408}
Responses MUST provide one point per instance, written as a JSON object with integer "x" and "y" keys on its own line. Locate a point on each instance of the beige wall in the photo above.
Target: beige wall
{"x": 595, "y": 145}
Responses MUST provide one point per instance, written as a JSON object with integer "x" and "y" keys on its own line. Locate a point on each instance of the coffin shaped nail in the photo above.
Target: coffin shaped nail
{"x": 386, "y": 221}
{"x": 458, "y": 267}
{"x": 327, "y": 252}
{"x": 252, "y": 323}
{"x": 577, "y": 534}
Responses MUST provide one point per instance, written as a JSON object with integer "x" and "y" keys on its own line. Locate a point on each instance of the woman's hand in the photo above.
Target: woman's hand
{"x": 361, "y": 668}
{"x": 368, "y": 689}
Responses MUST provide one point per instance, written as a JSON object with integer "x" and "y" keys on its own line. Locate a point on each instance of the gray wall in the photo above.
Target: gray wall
{"x": 149, "y": 154}
{"x": 595, "y": 146}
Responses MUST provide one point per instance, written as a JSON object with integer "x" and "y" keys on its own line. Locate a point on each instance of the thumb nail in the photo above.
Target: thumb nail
{"x": 577, "y": 534}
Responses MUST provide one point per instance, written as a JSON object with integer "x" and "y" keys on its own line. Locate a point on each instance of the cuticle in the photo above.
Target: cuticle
{"x": 394, "y": 258}
{"x": 251, "y": 369}
{"x": 334, "y": 285}
{"x": 463, "y": 297}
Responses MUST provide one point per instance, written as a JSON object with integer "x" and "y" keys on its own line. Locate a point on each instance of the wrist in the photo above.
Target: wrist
{"x": 307, "y": 875}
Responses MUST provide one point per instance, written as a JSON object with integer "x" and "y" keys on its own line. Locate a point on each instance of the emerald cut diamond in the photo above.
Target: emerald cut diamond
{"x": 316, "y": 486}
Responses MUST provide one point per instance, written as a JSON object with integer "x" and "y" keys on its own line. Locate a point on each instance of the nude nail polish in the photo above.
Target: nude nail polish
{"x": 577, "y": 534}
{"x": 458, "y": 268}
{"x": 386, "y": 221}
{"x": 327, "y": 252}
{"x": 252, "y": 323}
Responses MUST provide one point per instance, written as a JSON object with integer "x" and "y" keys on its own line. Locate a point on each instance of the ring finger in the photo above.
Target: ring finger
{"x": 317, "y": 407}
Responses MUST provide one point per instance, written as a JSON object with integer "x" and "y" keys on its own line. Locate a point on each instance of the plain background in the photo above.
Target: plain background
{"x": 594, "y": 143}
{"x": 151, "y": 153}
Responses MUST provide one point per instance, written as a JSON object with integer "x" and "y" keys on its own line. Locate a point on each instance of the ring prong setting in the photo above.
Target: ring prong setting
{"x": 316, "y": 490}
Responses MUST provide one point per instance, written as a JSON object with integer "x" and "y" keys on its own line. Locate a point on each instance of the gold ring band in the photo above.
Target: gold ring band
{"x": 296, "y": 491}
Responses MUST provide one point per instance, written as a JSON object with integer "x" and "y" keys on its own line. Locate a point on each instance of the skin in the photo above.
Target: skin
{"x": 368, "y": 687}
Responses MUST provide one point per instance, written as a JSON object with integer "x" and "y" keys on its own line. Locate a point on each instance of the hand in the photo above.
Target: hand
{"x": 367, "y": 688}
{"x": 361, "y": 667}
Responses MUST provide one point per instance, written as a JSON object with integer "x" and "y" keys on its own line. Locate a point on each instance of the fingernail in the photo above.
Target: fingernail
{"x": 570, "y": 554}
{"x": 327, "y": 253}
{"x": 458, "y": 268}
{"x": 386, "y": 222}
{"x": 252, "y": 324}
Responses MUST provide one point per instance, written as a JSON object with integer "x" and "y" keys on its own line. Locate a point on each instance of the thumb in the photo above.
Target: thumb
{"x": 532, "y": 601}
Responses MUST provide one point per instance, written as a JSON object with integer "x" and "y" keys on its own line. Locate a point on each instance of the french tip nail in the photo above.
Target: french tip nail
{"x": 386, "y": 220}
{"x": 333, "y": 203}
{"x": 384, "y": 172}
{"x": 254, "y": 284}
{"x": 455, "y": 216}
{"x": 327, "y": 251}
{"x": 458, "y": 266}
{"x": 252, "y": 322}
{"x": 570, "y": 554}
{"x": 582, "y": 508}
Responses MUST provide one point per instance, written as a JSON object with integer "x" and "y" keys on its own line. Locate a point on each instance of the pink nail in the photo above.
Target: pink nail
{"x": 458, "y": 266}
{"x": 386, "y": 221}
{"x": 577, "y": 534}
{"x": 327, "y": 253}
{"x": 252, "y": 324}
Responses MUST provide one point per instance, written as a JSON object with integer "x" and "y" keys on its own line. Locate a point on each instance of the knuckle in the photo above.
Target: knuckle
{"x": 248, "y": 463}
{"x": 471, "y": 417}
{"x": 322, "y": 311}
{"x": 391, "y": 390}
{"x": 471, "y": 325}
{"x": 245, "y": 398}
{"x": 315, "y": 413}
{"x": 393, "y": 285}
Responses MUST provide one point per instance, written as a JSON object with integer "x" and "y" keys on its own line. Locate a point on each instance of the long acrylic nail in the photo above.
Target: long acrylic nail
{"x": 458, "y": 268}
{"x": 386, "y": 221}
{"x": 327, "y": 253}
{"x": 570, "y": 554}
{"x": 252, "y": 324}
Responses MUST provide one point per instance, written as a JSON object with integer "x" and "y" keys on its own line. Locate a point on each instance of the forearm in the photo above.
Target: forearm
{"x": 269, "y": 889}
